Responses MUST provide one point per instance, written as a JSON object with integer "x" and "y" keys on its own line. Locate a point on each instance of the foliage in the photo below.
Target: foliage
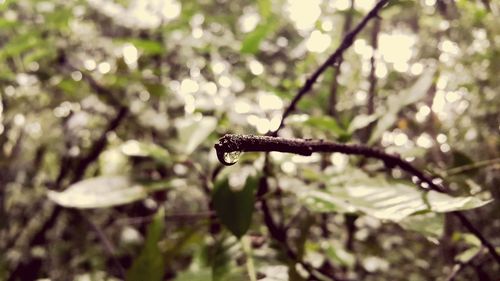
{"x": 109, "y": 111}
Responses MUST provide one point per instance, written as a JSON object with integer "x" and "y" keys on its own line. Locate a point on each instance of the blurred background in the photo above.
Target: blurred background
{"x": 109, "y": 111}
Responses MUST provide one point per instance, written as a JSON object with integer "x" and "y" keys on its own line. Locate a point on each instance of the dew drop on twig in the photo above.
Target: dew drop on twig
{"x": 232, "y": 157}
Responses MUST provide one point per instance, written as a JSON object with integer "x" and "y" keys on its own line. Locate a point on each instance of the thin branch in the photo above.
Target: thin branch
{"x": 336, "y": 69}
{"x": 476, "y": 165}
{"x": 175, "y": 218}
{"x": 99, "y": 145}
{"x": 241, "y": 143}
{"x": 373, "y": 78}
{"x": 333, "y": 59}
{"x": 107, "y": 244}
{"x": 279, "y": 234}
{"x": 248, "y": 143}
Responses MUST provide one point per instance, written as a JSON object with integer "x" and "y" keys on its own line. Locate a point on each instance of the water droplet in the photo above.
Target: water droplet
{"x": 232, "y": 157}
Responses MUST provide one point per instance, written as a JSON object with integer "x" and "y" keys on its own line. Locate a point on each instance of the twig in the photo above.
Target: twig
{"x": 107, "y": 244}
{"x": 336, "y": 69}
{"x": 279, "y": 234}
{"x": 180, "y": 217}
{"x": 476, "y": 165}
{"x": 231, "y": 143}
{"x": 333, "y": 59}
{"x": 372, "y": 78}
{"x": 99, "y": 145}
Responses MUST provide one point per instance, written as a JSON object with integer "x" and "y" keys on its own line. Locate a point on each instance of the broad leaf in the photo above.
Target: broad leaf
{"x": 20, "y": 44}
{"x": 326, "y": 124}
{"x": 235, "y": 208}
{"x": 192, "y": 133}
{"x": 417, "y": 91}
{"x": 103, "y": 192}
{"x": 140, "y": 149}
{"x": 430, "y": 225}
{"x": 468, "y": 254}
{"x": 361, "y": 121}
{"x": 383, "y": 125}
{"x": 149, "y": 265}
{"x": 383, "y": 200}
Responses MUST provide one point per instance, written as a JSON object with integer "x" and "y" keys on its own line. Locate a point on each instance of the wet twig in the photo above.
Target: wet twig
{"x": 241, "y": 143}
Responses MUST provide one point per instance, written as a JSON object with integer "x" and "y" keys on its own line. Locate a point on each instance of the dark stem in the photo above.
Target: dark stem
{"x": 372, "y": 78}
{"x": 106, "y": 243}
{"x": 251, "y": 143}
{"x": 279, "y": 234}
{"x": 99, "y": 145}
{"x": 230, "y": 143}
{"x": 332, "y": 60}
{"x": 332, "y": 101}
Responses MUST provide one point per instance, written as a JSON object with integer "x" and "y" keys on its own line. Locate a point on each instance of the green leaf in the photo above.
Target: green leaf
{"x": 383, "y": 125}
{"x": 5, "y": 23}
{"x": 339, "y": 255}
{"x": 147, "y": 47}
{"x": 200, "y": 275}
{"x": 397, "y": 102}
{"x": 135, "y": 148}
{"x": 264, "y": 8}
{"x": 326, "y": 124}
{"x": 443, "y": 203}
{"x": 361, "y": 121}
{"x": 468, "y": 254}
{"x": 149, "y": 265}
{"x": 155, "y": 89}
{"x": 429, "y": 224}
{"x": 384, "y": 200}
{"x": 252, "y": 41}
{"x": 235, "y": 208}
{"x": 20, "y": 44}
{"x": 100, "y": 192}
{"x": 417, "y": 91}
{"x": 41, "y": 52}
{"x": 193, "y": 132}
{"x": 69, "y": 86}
